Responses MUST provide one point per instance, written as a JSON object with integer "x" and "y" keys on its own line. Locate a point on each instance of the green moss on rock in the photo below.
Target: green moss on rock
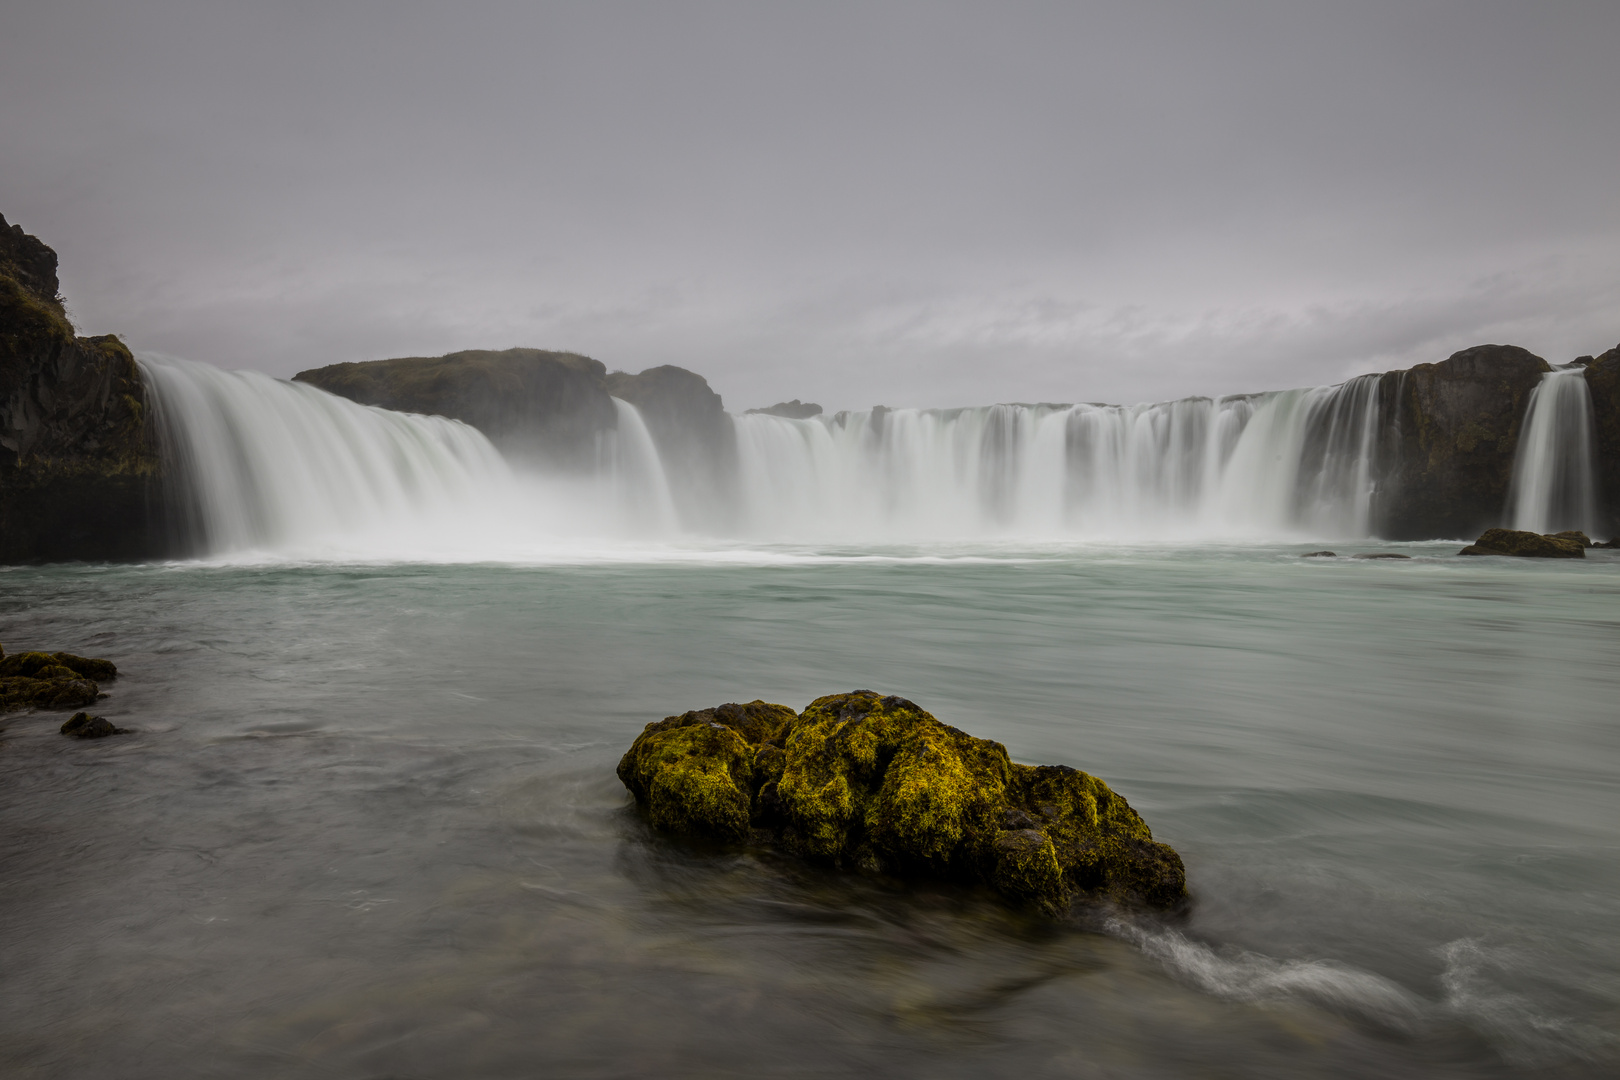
{"x": 862, "y": 780}
{"x": 1570, "y": 545}
{"x": 41, "y": 680}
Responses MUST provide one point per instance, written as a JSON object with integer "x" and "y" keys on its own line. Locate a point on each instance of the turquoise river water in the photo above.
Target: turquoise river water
{"x": 367, "y": 824}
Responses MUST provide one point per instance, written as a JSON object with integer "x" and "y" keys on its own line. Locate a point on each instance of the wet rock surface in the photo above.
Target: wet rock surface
{"x": 1380, "y": 555}
{"x": 864, "y": 781}
{"x": 85, "y": 726}
{"x": 1568, "y": 545}
{"x": 41, "y": 680}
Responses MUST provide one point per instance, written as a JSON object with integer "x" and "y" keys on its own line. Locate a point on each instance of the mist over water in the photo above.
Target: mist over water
{"x": 280, "y": 468}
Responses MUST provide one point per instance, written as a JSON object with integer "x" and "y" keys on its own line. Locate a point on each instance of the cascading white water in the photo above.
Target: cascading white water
{"x": 289, "y": 469}
{"x": 1274, "y": 464}
{"x": 282, "y": 467}
{"x": 1554, "y": 485}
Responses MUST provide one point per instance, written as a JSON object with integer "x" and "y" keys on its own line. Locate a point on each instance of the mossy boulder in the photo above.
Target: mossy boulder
{"x": 41, "y": 680}
{"x": 1571, "y": 545}
{"x": 871, "y": 782}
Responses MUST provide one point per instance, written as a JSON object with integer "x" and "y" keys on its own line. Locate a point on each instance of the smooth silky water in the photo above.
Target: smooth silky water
{"x": 368, "y": 824}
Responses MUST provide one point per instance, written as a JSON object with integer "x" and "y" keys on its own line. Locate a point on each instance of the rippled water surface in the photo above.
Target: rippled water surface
{"x": 368, "y": 824}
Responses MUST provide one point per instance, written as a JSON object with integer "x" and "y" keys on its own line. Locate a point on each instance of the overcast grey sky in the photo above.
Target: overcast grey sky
{"x": 909, "y": 203}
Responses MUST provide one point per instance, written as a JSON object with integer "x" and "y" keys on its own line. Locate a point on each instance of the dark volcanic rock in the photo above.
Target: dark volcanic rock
{"x": 876, "y": 783}
{"x": 695, "y": 436}
{"x": 1319, "y": 555}
{"x": 792, "y": 410}
{"x": 531, "y": 403}
{"x": 1451, "y": 441}
{"x": 85, "y": 726}
{"x": 1528, "y": 544}
{"x": 1603, "y": 380}
{"x": 80, "y": 475}
{"x": 1380, "y": 555}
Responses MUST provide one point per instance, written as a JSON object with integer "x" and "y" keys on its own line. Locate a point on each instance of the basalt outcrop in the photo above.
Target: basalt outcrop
{"x": 531, "y": 403}
{"x": 1449, "y": 435}
{"x": 1603, "y": 381}
{"x": 696, "y": 437}
{"x": 792, "y": 410}
{"x": 80, "y": 475}
{"x": 42, "y": 680}
{"x": 875, "y": 783}
{"x": 553, "y": 407}
{"x": 1565, "y": 545}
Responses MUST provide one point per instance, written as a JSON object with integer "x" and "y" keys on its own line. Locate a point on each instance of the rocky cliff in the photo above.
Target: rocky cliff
{"x": 1449, "y": 434}
{"x": 695, "y": 437}
{"x": 1603, "y": 380}
{"x": 551, "y": 407}
{"x": 80, "y": 476}
{"x": 531, "y": 403}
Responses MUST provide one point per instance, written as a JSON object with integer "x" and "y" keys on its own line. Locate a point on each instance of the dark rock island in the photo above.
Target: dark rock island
{"x": 874, "y": 783}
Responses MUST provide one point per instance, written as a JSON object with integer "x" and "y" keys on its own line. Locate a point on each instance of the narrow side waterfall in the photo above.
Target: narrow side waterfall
{"x": 1295, "y": 462}
{"x": 1554, "y": 484}
{"x": 286, "y": 469}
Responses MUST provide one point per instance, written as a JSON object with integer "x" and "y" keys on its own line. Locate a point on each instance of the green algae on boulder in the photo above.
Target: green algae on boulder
{"x": 42, "y": 680}
{"x": 873, "y": 782}
{"x": 1571, "y": 545}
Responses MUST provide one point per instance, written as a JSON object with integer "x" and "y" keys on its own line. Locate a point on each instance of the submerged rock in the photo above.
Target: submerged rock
{"x": 1380, "y": 555}
{"x": 1529, "y": 544}
{"x": 85, "y": 726}
{"x": 1319, "y": 555}
{"x": 861, "y": 780}
{"x": 42, "y": 680}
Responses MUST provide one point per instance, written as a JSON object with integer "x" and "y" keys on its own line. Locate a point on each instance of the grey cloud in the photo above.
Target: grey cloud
{"x": 916, "y": 203}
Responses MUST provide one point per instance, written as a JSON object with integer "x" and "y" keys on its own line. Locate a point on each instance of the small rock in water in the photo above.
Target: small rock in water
{"x": 1571, "y": 545}
{"x": 1319, "y": 555}
{"x": 865, "y": 781}
{"x": 1380, "y": 555}
{"x": 85, "y": 726}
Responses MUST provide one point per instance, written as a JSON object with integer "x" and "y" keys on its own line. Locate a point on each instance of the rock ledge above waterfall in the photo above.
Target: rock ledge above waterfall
{"x": 874, "y": 783}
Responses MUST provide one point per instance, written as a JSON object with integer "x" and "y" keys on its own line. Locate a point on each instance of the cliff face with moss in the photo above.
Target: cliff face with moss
{"x": 79, "y": 471}
{"x": 1449, "y": 435}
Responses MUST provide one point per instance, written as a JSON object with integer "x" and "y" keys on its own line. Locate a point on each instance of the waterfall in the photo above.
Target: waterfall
{"x": 1553, "y": 485}
{"x": 1294, "y": 462}
{"x": 264, "y": 465}
{"x": 288, "y": 470}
